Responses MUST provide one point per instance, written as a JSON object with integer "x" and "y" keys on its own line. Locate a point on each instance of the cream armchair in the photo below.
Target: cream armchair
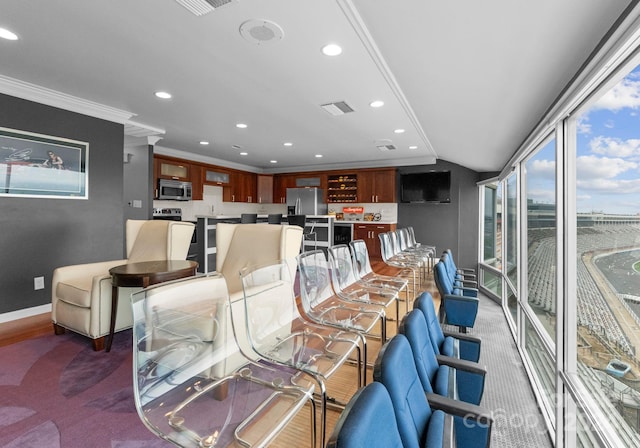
{"x": 239, "y": 246}
{"x": 81, "y": 294}
{"x": 242, "y": 245}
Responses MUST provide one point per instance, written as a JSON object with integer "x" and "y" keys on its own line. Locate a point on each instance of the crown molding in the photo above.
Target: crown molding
{"x": 43, "y": 95}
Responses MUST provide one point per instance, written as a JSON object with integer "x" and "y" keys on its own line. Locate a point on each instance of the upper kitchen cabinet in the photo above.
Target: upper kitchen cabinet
{"x": 264, "y": 188}
{"x": 280, "y": 184}
{"x": 215, "y": 176}
{"x": 172, "y": 169}
{"x": 177, "y": 169}
{"x": 377, "y": 185}
{"x": 242, "y": 187}
{"x": 197, "y": 190}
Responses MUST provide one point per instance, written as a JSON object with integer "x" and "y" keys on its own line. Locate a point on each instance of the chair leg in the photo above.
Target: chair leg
{"x": 98, "y": 344}
{"x": 57, "y": 329}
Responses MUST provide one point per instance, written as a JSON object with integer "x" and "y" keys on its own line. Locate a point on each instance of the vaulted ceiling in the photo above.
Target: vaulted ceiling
{"x": 467, "y": 81}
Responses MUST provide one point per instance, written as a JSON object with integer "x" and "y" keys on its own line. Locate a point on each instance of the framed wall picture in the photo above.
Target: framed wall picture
{"x": 36, "y": 165}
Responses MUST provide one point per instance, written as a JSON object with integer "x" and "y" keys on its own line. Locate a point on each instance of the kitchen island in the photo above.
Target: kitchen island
{"x": 318, "y": 233}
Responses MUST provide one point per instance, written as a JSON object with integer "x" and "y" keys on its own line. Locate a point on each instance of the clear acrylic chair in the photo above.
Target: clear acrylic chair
{"x": 390, "y": 258}
{"x": 364, "y": 272}
{"x": 427, "y": 253}
{"x": 322, "y": 305}
{"x": 347, "y": 285}
{"x": 192, "y": 385}
{"x": 274, "y": 330}
{"x": 411, "y": 234}
{"x": 401, "y": 254}
{"x": 410, "y": 270}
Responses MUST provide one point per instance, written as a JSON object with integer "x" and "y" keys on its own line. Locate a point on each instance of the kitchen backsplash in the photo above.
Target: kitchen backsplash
{"x": 212, "y": 204}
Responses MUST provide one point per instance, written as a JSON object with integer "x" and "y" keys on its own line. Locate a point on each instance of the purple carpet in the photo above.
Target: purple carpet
{"x": 55, "y": 391}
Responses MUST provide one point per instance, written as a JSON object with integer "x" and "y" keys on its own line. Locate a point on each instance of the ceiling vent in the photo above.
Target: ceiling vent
{"x": 385, "y": 145}
{"x": 260, "y": 31}
{"x": 202, "y": 7}
{"x": 337, "y": 108}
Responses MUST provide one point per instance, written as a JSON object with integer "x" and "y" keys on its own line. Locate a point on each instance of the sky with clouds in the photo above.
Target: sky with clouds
{"x": 608, "y": 163}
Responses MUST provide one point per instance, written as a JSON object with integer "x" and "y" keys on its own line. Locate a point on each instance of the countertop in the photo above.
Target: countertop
{"x": 344, "y": 221}
{"x": 308, "y": 216}
{"x": 259, "y": 216}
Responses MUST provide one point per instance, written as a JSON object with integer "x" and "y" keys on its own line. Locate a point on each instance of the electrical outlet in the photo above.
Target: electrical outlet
{"x": 38, "y": 283}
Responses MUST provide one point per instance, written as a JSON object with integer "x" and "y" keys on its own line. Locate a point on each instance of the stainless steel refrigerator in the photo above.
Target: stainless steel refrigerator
{"x": 305, "y": 201}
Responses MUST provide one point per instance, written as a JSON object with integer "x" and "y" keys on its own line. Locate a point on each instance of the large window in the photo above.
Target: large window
{"x": 561, "y": 250}
{"x": 608, "y": 252}
{"x": 511, "y": 237}
{"x": 492, "y": 232}
{"x": 491, "y": 278}
{"x": 540, "y": 180}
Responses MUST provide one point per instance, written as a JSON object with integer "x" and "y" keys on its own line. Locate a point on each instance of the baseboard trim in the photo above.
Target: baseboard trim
{"x": 26, "y": 312}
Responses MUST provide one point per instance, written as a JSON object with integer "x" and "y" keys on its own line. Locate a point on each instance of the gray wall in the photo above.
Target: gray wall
{"x": 447, "y": 226}
{"x": 41, "y": 234}
{"x": 136, "y": 174}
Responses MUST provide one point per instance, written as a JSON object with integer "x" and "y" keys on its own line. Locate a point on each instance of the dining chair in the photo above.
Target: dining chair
{"x": 427, "y": 253}
{"x": 192, "y": 384}
{"x": 347, "y": 286}
{"x": 409, "y": 269}
{"x": 308, "y": 232}
{"x": 248, "y": 218}
{"x": 274, "y": 330}
{"x": 364, "y": 272}
{"x": 322, "y": 305}
{"x": 400, "y": 253}
{"x": 274, "y": 218}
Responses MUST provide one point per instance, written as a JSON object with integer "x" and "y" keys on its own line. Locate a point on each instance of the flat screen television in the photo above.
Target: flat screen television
{"x": 429, "y": 186}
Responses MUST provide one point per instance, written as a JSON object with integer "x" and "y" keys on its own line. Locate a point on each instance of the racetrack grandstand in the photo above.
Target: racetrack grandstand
{"x": 608, "y": 303}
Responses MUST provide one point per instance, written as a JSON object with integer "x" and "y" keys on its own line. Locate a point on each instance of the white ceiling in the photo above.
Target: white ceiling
{"x": 468, "y": 80}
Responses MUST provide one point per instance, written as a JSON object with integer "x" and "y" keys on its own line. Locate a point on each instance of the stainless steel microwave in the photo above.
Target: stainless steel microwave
{"x": 174, "y": 190}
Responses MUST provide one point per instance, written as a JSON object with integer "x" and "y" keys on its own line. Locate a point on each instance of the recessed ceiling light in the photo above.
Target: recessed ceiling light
{"x": 318, "y": 156}
{"x": 288, "y": 144}
{"x": 6, "y": 34}
{"x": 204, "y": 142}
{"x": 241, "y": 125}
{"x": 244, "y": 153}
{"x": 399, "y": 131}
{"x": 332, "y": 50}
{"x": 163, "y": 95}
{"x": 376, "y": 103}
{"x": 273, "y": 161}
{"x": 413, "y": 147}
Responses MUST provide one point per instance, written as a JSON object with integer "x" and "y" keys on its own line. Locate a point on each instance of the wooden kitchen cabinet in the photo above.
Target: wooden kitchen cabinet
{"x": 264, "y": 188}
{"x": 197, "y": 188}
{"x": 241, "y": 188}
{"x": 377, "y": 185}
{"x": 172, "y": 169}
{"x": 280, "y": 184}
{"x": 369, "y": 233}
{"x": 178, "y": 169}
{"x": 215, "y": 176}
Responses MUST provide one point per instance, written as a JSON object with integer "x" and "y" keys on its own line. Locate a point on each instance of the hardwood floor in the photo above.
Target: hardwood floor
{"x": 21, "y": 329}
{"x": 342, "y": 385}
